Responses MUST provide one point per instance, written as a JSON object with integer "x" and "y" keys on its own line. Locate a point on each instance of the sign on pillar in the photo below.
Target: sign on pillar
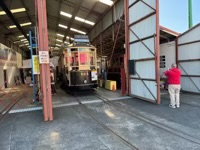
{"x": 44, "y": 57}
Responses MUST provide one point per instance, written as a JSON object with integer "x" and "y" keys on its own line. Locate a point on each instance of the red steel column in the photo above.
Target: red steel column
{"x": 157, "y": 52}
{"x": 44, "y": 68}
{"x": 127, "y": 49}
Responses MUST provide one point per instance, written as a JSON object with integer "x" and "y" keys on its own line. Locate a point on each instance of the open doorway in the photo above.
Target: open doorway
{"x": 5, "y": 78}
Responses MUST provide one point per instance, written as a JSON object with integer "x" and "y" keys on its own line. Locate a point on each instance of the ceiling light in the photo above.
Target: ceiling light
{"x": 21, "y": 36}
{"x": 23, "y": 40}
{"x": 89, "y": 22}
{"x": 14, "y": 11}
{"x": 27, "y": 44}
{"x": 83, "y": 20}
{"x": 23, "y": 24}
{"x": 26, "y": 24}
{"x": 17, "y": 41}
{"x": 62, "y": 26}
{"x": 65, "y": 14}
{"x": 58, "y": 45}
{"x": 21, "y": 45}
{"x": 80, "y": 19}
{"x": 107, "y": 2}
{"x": 61, "y": 35}
{"x": 58, "y": 40}
{"x": 66, "y": 42}
{"x": 78, "y": 31}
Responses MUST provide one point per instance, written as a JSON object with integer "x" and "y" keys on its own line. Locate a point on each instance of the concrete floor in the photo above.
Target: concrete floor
{"x": 74, "y": 129}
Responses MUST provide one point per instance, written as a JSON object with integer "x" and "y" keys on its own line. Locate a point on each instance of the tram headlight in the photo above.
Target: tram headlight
{"x": 85, "y": 81}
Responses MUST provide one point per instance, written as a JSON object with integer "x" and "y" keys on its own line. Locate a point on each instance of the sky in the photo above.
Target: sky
{"x": 173, "y": 14}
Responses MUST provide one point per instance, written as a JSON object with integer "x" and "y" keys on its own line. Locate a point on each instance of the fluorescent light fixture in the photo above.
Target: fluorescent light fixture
{"x": 80, "y": 19}
{"x": 78, "y": 31}
{"x": 26, "y": 24}
{"x": 23, "y": 24}
{"x": 14, "y": 11}
{"x": 26, "y": 41}
{"x": 65, "y": 14}
{"x": 61, "y": 35}
{"x": 27, "y": 44}
{"x": 107, "y": 2}
{"x": 89, "y": 22}
{"x": 62, "y": 26}
{"x": 21, "y": 36}
{"x": 23, "y": 40}
{"x": 17, "y": 41}
{"x": 66, "y": 42}
{"x": 21, "y": 45}
{"x": 85, "y": 21}
{"x": 58, "y": 45}
{"x": 58, "y": 40}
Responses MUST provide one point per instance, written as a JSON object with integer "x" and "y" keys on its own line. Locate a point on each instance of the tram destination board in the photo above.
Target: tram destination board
{"x": 81, "y": 38}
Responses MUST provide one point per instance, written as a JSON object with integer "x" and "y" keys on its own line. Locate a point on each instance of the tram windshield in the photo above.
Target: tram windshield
{"x": 81, "y": 57}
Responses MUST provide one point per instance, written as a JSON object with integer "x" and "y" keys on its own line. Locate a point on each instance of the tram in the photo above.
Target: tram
{"x": 78, "y": 64}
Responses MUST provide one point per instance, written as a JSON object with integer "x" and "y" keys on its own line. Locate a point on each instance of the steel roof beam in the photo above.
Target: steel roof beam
{"x": 74, "y": 13}
{"x": 9, "y": 14}
{"x": 84, "y": 9}
{"x": 26, "y": 11}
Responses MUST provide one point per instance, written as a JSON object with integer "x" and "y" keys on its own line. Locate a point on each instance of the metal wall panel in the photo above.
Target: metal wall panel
{"x": 142, "y": 90}
{"x": 145, "y": 70}
{"x": 141, "y": 9}
{"x": 169, "y": 51}
{"x": 187, "y": 84}
{"x": 143, "y": 48}
{"x": 108, "y": 19}
{"x": 189, "y": 59}
{"x": 1, "y": 76}
{"x": 131, "y": 2}
{"x": 192, "y": 68}
{"x": 140, "y": 51}
{"x": 112, "y": 16}
{"x": 192, "y": 51}
{"x": 99, "y": 28}
{"x": 118, "y": 10}
{"x": 190, "y": 36}
{"x": 143, "y": 29}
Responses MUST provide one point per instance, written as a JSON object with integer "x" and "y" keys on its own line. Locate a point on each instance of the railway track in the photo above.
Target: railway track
{"x": 120, "y": 138}
{"x": 141, "y": 117}
{"x": 13, "y": 102}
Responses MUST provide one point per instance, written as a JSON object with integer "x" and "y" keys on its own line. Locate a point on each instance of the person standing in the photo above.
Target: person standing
{"x": 53, "y": 88}
{"x": 174, "y": 85}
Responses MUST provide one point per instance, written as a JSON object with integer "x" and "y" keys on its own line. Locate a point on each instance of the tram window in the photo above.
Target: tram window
{"x": 92, "y": 55}
{"x": 84, "y": 58}
{"x": 91, "y": 61}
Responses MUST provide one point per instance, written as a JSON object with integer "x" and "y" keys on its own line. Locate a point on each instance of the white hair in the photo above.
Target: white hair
{"x": 173, "y": 65}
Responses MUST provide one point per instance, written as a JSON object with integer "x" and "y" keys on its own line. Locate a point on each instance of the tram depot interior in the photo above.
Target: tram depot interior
{"x": 87, "y": 60}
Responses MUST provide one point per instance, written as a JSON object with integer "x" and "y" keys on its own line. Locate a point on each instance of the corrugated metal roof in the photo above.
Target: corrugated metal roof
{"x": 91, "y": 10}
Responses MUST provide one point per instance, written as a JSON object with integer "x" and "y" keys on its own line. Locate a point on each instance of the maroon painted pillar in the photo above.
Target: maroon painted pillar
{"x": 44, "y": 67}
{"x": 127, "y": 49}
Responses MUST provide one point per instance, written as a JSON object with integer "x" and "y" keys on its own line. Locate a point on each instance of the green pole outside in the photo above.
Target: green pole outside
{"x": 190, "y": 13}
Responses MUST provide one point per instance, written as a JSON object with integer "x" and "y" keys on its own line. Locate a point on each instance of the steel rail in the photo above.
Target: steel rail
{"x": 152, "y": 122}
{"x": 127, "y": 143}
